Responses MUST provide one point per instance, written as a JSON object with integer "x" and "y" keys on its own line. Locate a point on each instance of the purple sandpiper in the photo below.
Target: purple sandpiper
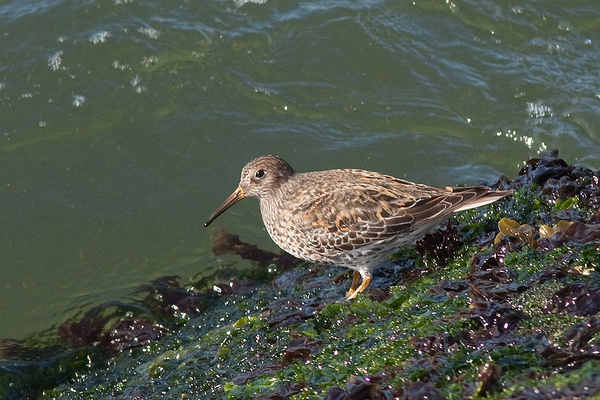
{"x": 347, "y": 217}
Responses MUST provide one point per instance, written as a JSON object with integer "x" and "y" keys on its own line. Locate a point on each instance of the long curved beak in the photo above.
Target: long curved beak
{"x": 235, "y": 197}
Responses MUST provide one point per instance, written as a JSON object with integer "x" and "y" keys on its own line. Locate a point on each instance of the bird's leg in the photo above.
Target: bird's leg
{"x": 354, "y": 290}
{"x": 355, "y": 281}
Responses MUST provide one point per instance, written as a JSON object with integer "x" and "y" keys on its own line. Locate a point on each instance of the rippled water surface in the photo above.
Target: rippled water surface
{"x": 124, "y": 123}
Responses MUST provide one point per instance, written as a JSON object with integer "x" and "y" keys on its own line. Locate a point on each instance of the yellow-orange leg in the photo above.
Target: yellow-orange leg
{"x": 355, "y": 281}
{"x": 354, "y": 290}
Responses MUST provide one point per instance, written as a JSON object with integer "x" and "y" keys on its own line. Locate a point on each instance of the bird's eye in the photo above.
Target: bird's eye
{"x": 260, "y": 173}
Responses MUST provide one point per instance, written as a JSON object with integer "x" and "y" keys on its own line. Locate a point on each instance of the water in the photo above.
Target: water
{"x": 124, "y": 123}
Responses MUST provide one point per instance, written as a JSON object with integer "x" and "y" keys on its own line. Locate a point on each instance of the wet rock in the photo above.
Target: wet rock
{"x": 167, "y": 298}
{"x": 291, "y": 278}
{"x": 579, "y": 349}
{"x": 576, "y": 298}
{"x": 495, "y": 317}
{"x": 580, "y": 335}
{"x": 451, "y": 288}
{"x": 124, "y": 334}
{"x": 570, "y": 215}
{"x": 503, "y": 183}
{"x": 285, "y": 312}
{"x": 300, "y": 347}
{"x": 539, "y": 169}
{"x": 484, "y": 240}
{"x": 130, "y": 333}
{"x": 580, "y": 233}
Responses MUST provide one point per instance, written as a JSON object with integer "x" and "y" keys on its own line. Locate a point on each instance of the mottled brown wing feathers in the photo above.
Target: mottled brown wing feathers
{"x": 428, "y": 210}
{"x": 346, "y": 210}
{"x": 356, "y": 218}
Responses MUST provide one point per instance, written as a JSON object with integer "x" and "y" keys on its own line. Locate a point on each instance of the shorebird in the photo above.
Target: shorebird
{"x": 347, "y": 217}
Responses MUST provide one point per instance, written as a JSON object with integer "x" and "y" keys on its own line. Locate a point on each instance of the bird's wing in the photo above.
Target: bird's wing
{"x": 348, "y": 218}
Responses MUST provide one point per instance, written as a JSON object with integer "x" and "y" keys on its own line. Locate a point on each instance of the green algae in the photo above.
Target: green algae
{"x": 585, "y": 378}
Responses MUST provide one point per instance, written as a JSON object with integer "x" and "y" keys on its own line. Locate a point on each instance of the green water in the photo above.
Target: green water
{"x": 124, "y": 123}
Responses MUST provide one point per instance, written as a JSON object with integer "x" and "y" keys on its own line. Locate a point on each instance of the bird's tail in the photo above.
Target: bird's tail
{"x": 486, "y": 197}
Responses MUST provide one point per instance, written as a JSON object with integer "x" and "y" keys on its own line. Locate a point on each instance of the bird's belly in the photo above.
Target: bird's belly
{"x": 306, "y": 244}
{"x": 309, "y": 247}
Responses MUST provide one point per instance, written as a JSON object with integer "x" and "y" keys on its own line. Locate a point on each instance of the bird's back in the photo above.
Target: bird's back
{"x": 349, "y": 217}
